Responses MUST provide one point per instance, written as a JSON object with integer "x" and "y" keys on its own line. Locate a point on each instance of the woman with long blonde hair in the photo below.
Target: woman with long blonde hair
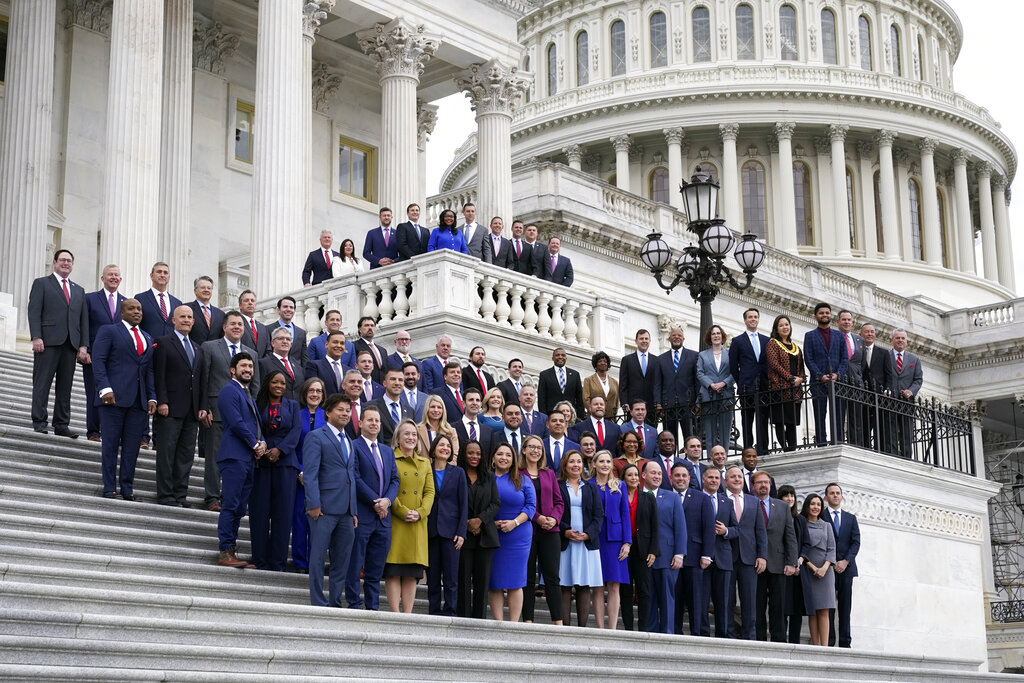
{"x": 616, "y": 537}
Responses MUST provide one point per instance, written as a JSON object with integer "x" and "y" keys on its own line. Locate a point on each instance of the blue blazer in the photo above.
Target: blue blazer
{"x": 708, "y": 375}
{"x": 318, "y": 349}
{"x": 848, "y": 543}
{"x": 99, "y": 312}
{"x": 330, "y": 478}
{"x": 563, "y": 274}
{"x": 395, "y": 362}
{"x": 593, "y": 513}
{"x": 322, "y": 369}
{"x": 650, "y": 438}
{"x": 421, "y": 402}
{"x": 699, "y": 512}
{"x": 319, "y": 420}
{"x": 450, "y": 511}
{"x": 367, "y": 480}
{"x": 285, "y": 437}
{"x": 152, "y": 322}
{"x": 567, "y": 446}
{"x": 752, "y": 540}
{"x": 696, "y": 480}
{"x": 618, "y": 527}
{"x": 821, "y": 361}
{"x": 374, "y": 248}
{"x": 672, "y": 533}
{"x": 117, "y": 365}
{"x": 611, "y": 433}
{"x": 432, "y": 375}
{"x": 745, "y": 368}
{"x": 242, "y": 430}
{"x": 676, "y": 387}
{"x": 447, "y": 240}
{"x": 723, "y": 556}
{"x": 540, "y": 425}
{"x": 451, "y": 406}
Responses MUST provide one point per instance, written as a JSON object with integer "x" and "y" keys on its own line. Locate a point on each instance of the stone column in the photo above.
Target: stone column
{"x": 575, "y": 155}
{"x": 176, "y": 142}
{"x": 785, "y": 230}
{"x": 313, "y": 13}
{"x": 676, "y": 172}
{"x": 840, "y": 200}
{"x": 730, "y": 178}
{"x": 25, "y": 149}
{"x": 964, "y": 226}
{"x": 930, "y": 204}
{"x": 887, "y": 194}
{"x": 1004, "y": 246}
{"x": 426, "y": 119}
{"x": 988, "y": 230}
{"x": 131, "y": 181}
{"x": 401, "y": 50}
{"x": 869, "y": 229}
{"x": 494, "y": 90}
{"x": 621, "y": 144}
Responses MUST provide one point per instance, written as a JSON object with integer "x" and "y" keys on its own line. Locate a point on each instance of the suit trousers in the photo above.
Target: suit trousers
{"x": 716, "y": 591}
{"x": 271, "y": 502}
{"x": 211, "y": 471}
{"x": 329, "y": 534}
{"x": 825, "y": 421}
{"x": 546, "y": 550}
{"x": 663, "y": 601}
{"x": 752, "y": 410}
{"x": 771, "y": 596}
{"x": 122, "y": 429}
{"x": 175, "y": 451}
{"x": 676, "y": 419}
{"x": 369, "y": 552}
{"x": 474, "y": 580}
{"x": 442, "y": 576}
{"x": 640, "y": 584}
{"x": 300, "y": 529}
{"x": 237, "y": 476}
{"x": 744, "y": 578}
{"x": 92, "y": 413}
{"x": 844, "y": 603}
{"x": 690, "y": 596}
{"x": 54, "y": 362}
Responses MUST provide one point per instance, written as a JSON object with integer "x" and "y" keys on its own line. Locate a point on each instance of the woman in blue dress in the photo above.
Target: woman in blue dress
{"x": 616, "y": 538}
{"x": 446, "y": 235}
{"x": 311, "y": 395}
{"x": 518, "y": 505}
{"x": 583, "y": 515}
{"x": 493, "y": 405}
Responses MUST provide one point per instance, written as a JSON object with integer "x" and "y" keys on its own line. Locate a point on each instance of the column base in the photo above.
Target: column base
{"x": 8, "y": 323}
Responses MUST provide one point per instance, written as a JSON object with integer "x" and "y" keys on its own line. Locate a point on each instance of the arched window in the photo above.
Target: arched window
{"x": 745, "y": 44}
{"x": 755, "y": 209}
{"x": 919, "y": 62}
{"x": 618, "y": 36}
{"x": 803, "y": 204}
{"x": 552, "y": 69}
{"x": 851, "y": 216}
{"x": 657, "y": 185}
{"x": 864, "y": 28}
{"x": 879, "y": 241}
{"x": 787, "y": 33}
{"x": 701, "y": 35}
{"x": 659, "y": 40}
{"x": 582, "y": 52}
{"x": 914, "y": 192}
{"x": 894, "y": 40}
{"x": 829, "y": 47}
{"x": 942, "y": 228}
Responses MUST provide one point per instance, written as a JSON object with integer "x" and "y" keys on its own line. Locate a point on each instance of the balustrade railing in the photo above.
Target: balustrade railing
{"x": 1008, "y": 611}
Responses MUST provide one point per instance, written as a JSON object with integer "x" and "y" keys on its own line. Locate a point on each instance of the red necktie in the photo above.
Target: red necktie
{"x": 140, "y": 348}
{"x": 458, "y": 399}
{"x": 849, "y": 346}
{"x": 355, "y": 417}
{"x": 288, "y": 367}
{"x": 67, "y": 294}
{"x": 764, "y": 512}
{"x": 640, "y": 439}
{"x": 600, "y": 433}
{"x": 480, "y": 376}
{"x": 327, "y": 257}
{"x": 163, "y": 307}
{"x": 899, "y": 361}
{"x": 252, "y": 324}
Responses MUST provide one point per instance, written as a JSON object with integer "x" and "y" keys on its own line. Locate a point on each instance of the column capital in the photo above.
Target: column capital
{"x": 399, "y": 47}
{"x": 426, "y": 119}
{"x": 636, "y": 151}
{"x": 865, "y": 148}
{"x": 998, "y": 182}
{"x": 493, "y": 87}
{"x": 784, "y": 130}
{"x": 960, "y": 157}
{"x": 621, "y": 143}
{"x": 674, "y": 136}
{"x": 885, "y": 138}
{"x": 927, "y": 146}
{"x": 901, "y": 156}
{"x": 211, "y": 45}
{"x": 325, "y": 86}
{"x": 729, "y": 131}
{"x": 822, "y": 145}
{"x": 773, "y": 144}
{"x": 91, "y": 14}
{"x": 574, "y": 152}
{"x": 984, "y": 168}
{"x": 314, "y": 12}
{"x": 837, "y": 132}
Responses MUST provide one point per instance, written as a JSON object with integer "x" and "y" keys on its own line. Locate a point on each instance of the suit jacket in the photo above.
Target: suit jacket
{"x": 592, "y": 387}
{"x": 672, "y": 535}
{"x": 216, "y": 372}
{"x": 549, "y": 499}
{"x": 298, "y": 355}
{"x": 395, "y": 362}
{"x": 177, "y": 381}
{"x": 503, "y": 256}
{"x": 563, "y": 270}
{"x": 549, "y": 450}
{"x": 410, "y": 241}
{"x": 696, "y": 478}
{"x": 549, "y": 393}
{"x": 848, "y": 542}
{"x": 421, "y": 403}
{"x": 262, "y": 341}
{"x": 665, "y": 473}
{"x": 699, "y": 512}
{"x": 878, "y": 375}
{"x": 488, "y": 438}
{"x": 325, "y": 371}
{"x": 241, "y": 424}
{"x": 821, "y": 361}
{"x": 537, "y": 425}
{"x": 508, "y": 390}
{"x": 99, "y": 311}
{"x": 611, "y": 433}
{"x": 52, "y": 319}
{"x": 379, "y": 369}
{"x": 374, "y": 248}
{"x": 470, "y": 380}
{"x": 911, "y": 377}
{"x": 483, "y": 504}
{"x": 116, "y": 364}
{"x": 724, "y": 552}
{"x": 646, "y": 541}
{"x": 330, "y": 478}
{"x": 152, "y": 320}
{"x": 707, "y": 375}
{"x": 432, "y": 375}
{"x": 749, "y": 370}
{"x": 283, "y": 434}
{"x": 676, "y": 387}
{"x": 200, "y": 331}
{"x": 523, "y": 262}
{"x": 475, "y": 244}
{"x": 650, "y": 435}
{"x": 368, "y": 480}
{"x": 855, "y": 363}
{"x": 782, "y": 549}
{"x": 450, "y": 511}
{"x": 317, "y": 349}
{"x": 633, "y": 384}
{"x": 316, "y": 270}
{"x": 752, "y": 540}
{"x": 593, "y": 514}
{"x": 387, "y": 423}
{"x": 773, "y": 492}
{"x": 451, "y": 406}
{"x": 292, "y": 382}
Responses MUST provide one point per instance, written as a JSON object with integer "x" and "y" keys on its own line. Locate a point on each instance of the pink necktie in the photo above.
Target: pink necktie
{"x": 737, "y": 506}
{"x": 387, "y": 237}
{"x": 111, "y": 304}
{"x": 849, "y": 345}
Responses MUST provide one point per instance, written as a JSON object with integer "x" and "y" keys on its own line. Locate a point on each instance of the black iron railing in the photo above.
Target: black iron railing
{"x": 1008, "y": 611}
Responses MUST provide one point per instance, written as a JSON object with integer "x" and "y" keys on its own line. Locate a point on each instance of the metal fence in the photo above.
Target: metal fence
{"x": 1008, "y": 612}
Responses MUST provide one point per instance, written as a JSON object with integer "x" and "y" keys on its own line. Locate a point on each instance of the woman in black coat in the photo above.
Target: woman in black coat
{"x": 481, "y": 536}
{"x": 643, "y": 513}
{"x": 794, "y": 603}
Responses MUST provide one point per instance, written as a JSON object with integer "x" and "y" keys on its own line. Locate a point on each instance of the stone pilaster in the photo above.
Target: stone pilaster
{"x": 732, "y": 188}
{"x": 326, "y": 84}
{"x": 840, "y": 202}
{"x": 313, "y": 13}
{"x": 574, "y": 153}
{"x": 426, "y": 120}
{"x": 785, "y": 231}
{"x": 621, "y": 144}
{"x": 1004, "y": 245}
{"x": 887, "y": 194}
{"x": 964, "y": 226}
{"x": 988, "y": 229}
{"x": 930, "y": 204}
{"x": 212, "y": 45}
{"x": 676, "y": 174}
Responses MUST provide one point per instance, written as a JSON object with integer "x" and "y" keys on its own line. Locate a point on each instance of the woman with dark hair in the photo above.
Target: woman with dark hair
{"x": 583, "y": 515}
{"x": 716, "y": 388}
{"x": 785, "y": 378}
{"x": 817, "y": 555}
{"x": 643, "y": 520}
{"x": 311, "y": 416}
{"x": 446, "y": 528}
{"x": 349, "y": 262}
{"x": 272, "y": 499}
{"x": 794, "y": 597}
{"x": 482, "y": 535}
{"x": 588, "y": 447}
{"x": 518, "y": 506}
{"x": 446, "y": 235}
{"x": 546, "y": 544}
{"x": 629, "y": 447}
{"x": 601, "y": 383}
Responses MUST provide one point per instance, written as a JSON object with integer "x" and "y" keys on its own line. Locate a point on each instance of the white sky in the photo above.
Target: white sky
{"x": 985, "y": 73}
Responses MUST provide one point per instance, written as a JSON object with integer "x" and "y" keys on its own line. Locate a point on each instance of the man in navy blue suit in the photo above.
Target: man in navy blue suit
{"x": 381, "y": 245}
{"x": 636, "y": 377}
{"x": 692, "y": 449}
{"x": 666, "y": 458}
{"x": 123, "y": 364}
{"x": 376, "y": 489}
{"x": 254, "y": 334}
{"x": 413, "y": 395}
{"x": 104, "y": 309}
{"x": 329, "y": 478}
{"x": 318, "y": 264}
{"x": 718, "y": 575}
{"x": 372, "y": 389}
{"x": 556, "y": 444}
{"x": 847, "y": 532}
{"x": 511, "y": 432}
{"x": 367, "y": 329}
{"x": 826, "y": 359}
{"x": 534, "y": 421}
{"x": 699, "y": 513}
{"x": 513, "y": 384}
{"x": 555, "y": 267}
{"x": 285, "y": 318}
{"x": 392, "y": 410}
{"x": 675, "y": 384}
{"x": 605, "y": 432}
{"x": 451, "y": 392}
{"x": 157, "y": 303}
{"x": 209, "y": 320}
{"x": 750, "y": 550}
{"x": 672, "y": 537}
{"x": 433, "y": 368}
{"x": 331, "y": 369}
{"x": 317, "y": 348}
{"x": 401, "y": 356}
{"x": 748, "y": 364}
{"x": 648, "y": 435}
{"x": 469, "y": 428}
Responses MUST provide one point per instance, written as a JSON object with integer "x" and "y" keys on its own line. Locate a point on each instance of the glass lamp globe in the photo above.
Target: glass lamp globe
{"x": 717, "y": 240}
{"x": 749, "y": 253}
{"x": 700, "y": 197}
{"x": 655, "y": 253}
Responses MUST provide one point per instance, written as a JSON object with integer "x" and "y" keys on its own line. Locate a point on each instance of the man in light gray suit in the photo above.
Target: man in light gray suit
{"x": 907, "y": 378}
{"x": 214, "y": 374}
{"x": 854, "y": 377}
{"x": 780, "y": 561}
{"x": 472, "y": 231}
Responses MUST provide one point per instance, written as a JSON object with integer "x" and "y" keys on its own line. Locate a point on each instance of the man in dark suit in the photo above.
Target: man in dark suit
{"x": 556, "y": 444}
{"x": 372, "y": 390}
{"x": 648, "y": 434}
{"x": 432, "y": 368}
{"x": 123, "y": 363}
{"x": 850, "y": 412}
{"x": 636, "y": 377}
{"x": 672, "y": 538}
{"x": 177, "y": 366}
{"x": 605, "y": 432}
{"x": 209, "y": 320}
{"x": 538, "y": 249}
{"x": 825, "y": 356}
{"x": 254, "y": 334}
{"x": 555, "y": 267}
{"x": 666, "y": 457}
{"x": 847, "y": 533}
{"x": 877, "y": 376}
{"x": 495, "y": 248}
{"x": 381, "y": 246}
{"x": 718, "y": 574}
{"x": 523, "y": 260}
{"x": 58, "y": 322}
{"x": 472, "y": 231}
{"x": 215, "y": 373}
{"x": 675, "y": 384}
{"x": 104, "y": 309}
{"x": 157, "y": 303}
{"x": 317, "y": 345}
{"x": 367, "y": 329}
{"x": 559, "y": 383}
{"x": 318, "y": 263}
{"x": 376, "y": 489}
{"x": 718, "y": 463}
{"x": 352, "y": 385}
{"x": 534, "y": 421}
{"x": 285, "y": 318}
{"x": 907, "y": 378}
{"x": 451, "y": 392}
{"x": 412, "y": 395}
{"x": 511, "y": 431}
{"x": 392, "y": 410}
{"x": 749, "y": 459}
{"x": 748, "y": 364}
{"x": 329, "y": 476}
{"x": 401, "y": 356}
{"x": 241, "y": 445}
{"x": 470, "y": 428}
{"x": 412, "y": 237}
{"x": 780, "y": 562}
{"x": 750, "y": 548}
{"x": 692, "y": 448}
{"x": 474, "y": 375}
{"x": 330, "y": 369}
{"x": 278, "y": 359}
{"x": 699, "y": 514}
{"x": 513, "y": 384}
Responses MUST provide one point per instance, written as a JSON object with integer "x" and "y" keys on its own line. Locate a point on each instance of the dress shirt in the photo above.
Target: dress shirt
{"x": 237, "y": 345}
{"x": 135, "y": 341}
{"x": 737, "y": 501}
{"x": 472, "y": 425}
{"x": 755, "y": 343}
{"x": 183, "y": 338}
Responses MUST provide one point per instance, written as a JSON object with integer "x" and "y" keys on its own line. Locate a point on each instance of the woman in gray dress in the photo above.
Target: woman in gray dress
{"x": 716, "y": 388}
{"x": 817, "y": 555}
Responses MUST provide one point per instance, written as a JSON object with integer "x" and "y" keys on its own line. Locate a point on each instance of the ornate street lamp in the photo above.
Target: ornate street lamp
{"x": 702, "y": 267}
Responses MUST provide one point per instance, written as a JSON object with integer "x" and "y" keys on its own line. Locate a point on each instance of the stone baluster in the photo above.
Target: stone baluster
{"x": 502, "y": 311}
{"x": 530, "y": 316}
{"x": 516, "y": 312}
{"x": 487, "y": 305}
{"x": 543, "y": 314}
{"x": 414, "y": 298}
{"x": 401, "y": 299}
{"x": 570, "y": 320}
{"x": 557, "y": 323}
{"x": 385, "y": 308}
{"x": 311, "y": 322}
{"x": 583, "y": 329}
{"x": 370, "y": 290}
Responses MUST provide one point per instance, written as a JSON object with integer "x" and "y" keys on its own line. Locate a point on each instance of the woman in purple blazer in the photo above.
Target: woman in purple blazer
{"x": 311, "y": 395}
{"x": 547, "y": 544}
{"x": 616, "y": 538}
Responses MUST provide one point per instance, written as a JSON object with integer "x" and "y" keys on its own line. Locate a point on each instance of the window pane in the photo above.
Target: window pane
{"x": 582, "y": 50}
{"x": 744, "y": 32}
{"x": 879, "y": 242}
{"x": 915, "y": 219}
{"x": 345, "y": 168}
{"x": 865, "y": 43}
{"x": 659, "y": 185}
{"x": 618, "y": 48}
{"x": 359, "y": 169}
{"x": 828, "y": 37}
{"x": 894, "y": 39}
{"x": 787, "y": 32}
{"x": 659, "y": 40}
{"x": 802, "y": 200}
{"x": 243, "y": 131}
{"x": 851, "y": 216}
{"x": 754, "y": 208}
{"x": 3, "y": 50}
{"x": 552, "y": 69}
{"x": 701, "y": 35}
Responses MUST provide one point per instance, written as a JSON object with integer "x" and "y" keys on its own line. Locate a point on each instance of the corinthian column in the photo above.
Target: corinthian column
{"x": 1004, "y": 246}
{"x": 621, "y": 144}
{"x": 674, "y": 138}
{"x": 574, "y": 153}
{"x": 964, "y": 226}
{"x": 494, "y": 90}
{"x": 930, "y": 204}
{"x": 131, "y": 181}
{"x": 840, "y": 201}
{"x": 312, "y": 14}
{"x": 785, "y": 232}
{"x": 730, "y": 177}
{"x": 887, "y": 194}
{"x": 988, "y": 230}
{"x": 401, "y": 50}
{"x": 25, "y": 148}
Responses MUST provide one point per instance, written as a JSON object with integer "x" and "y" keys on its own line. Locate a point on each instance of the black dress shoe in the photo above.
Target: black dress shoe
{"x": 40, "y": 430}
{"x": 129, "y": 496}
{"x": 94, "y": 437}
{"x": 111, "y": 494}
{"x": 184, "y": 505}
{"x": 66, "y": 432}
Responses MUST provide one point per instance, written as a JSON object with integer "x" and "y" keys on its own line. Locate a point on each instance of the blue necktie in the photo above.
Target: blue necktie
{"x": 835, "y": 523}
{"x": 394, "y": 413}
{"x": 189, "y": 352}
{"x": 558, "y": 453}
{"x": 233, "y": 351}
{"x": 643, "y": 364}
{"x": 344, "y": 445}
{"x": 675, "y": 359}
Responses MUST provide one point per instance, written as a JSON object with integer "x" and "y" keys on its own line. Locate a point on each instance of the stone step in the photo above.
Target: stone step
{"x": 85, "y": 674}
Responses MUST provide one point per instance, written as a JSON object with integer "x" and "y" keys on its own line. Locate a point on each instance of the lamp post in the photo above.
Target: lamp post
{"x": 702, "y": 267}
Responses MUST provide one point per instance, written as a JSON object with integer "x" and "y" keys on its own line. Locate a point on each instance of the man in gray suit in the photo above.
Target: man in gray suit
{"x": 907, "y": 378}
{"x": 215, "y": 372}
{"x": 780, "y": 561}
{"x": 472, "y": 231}
{"x": 58, "y": 322}
{"x": 854, "y": 377}
{"x": 496, "y": 249}
{"x": 298, "y": 354}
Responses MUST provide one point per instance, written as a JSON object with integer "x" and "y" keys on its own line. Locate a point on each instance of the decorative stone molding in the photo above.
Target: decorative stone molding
{"x": 574, "y": 153}
{"x": 592, "y": 161}
{"x": 635, "y": 45}
{"x": 426, "y": 119}
{"x": 313, "y": 13}
{"x": 212, "y": 45}
{"x": 769, "y": 36}
{"x": 865, "y": 148}
{"x": 812, "y": 39}
{"x": 822, "y": 145}
{"x": 911, "y": 516}
{"x": 998, "y": 182}
{"x": 784, "y": 130}
{"x": 621, "y": 143}
{"x": 729, "y": 131}
{"x": 677, "y": 40}
{"x": 885, "y": 137}
{"x": 91, "y": 14}
{"x": 636, "y": 152}
{"x": 493, "y": 88}
{"x": 927, "y": 145}
{"x": 773, "y": 144}
{"x": 325, "y": 86}
{"x": 983, "y": 168}
{"x": 837, "y": 132}
{"x": 853, "y": 36}
{"x": 667, "y": 323}
{"x": 723, "y": 37}
{"x": 960, "y": 156}
{"x": 752, "y": 151}
{"x": 398, "y": 47}
{"x": 887, "y": 50}
{"x": 900, "y": 156}
{"x": 674, "y": 135}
